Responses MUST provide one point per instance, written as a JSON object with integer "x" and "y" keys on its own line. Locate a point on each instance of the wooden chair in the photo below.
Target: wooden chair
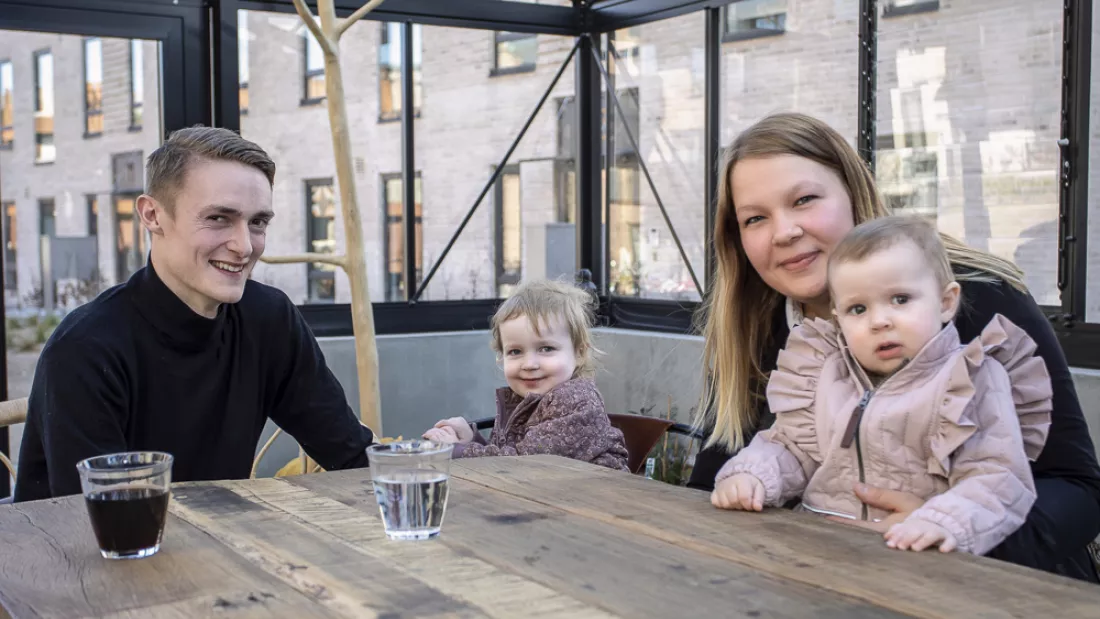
{"x": 11, "y": 413}
{"x": 640, "y": 433}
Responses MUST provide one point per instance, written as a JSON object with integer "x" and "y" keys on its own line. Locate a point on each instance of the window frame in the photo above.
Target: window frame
{"x": 89, "y": 112}
{"x": 9, "y": 144}
{"x": 136, "y": 107}
{"x": 9, "y": 215}
{"x": 38, "y": 102}
{"x": 500, "y": 37}
{"x": 308, "y": 74}
{"x": 395, "y": 294}
{"x": 312, "y": 271}
{"x": 502, "y": 277}
{"x": 890, "y": 9}
{"x": 730, "y": 36}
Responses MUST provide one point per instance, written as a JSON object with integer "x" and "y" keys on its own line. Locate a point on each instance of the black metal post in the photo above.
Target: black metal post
{"x": 609, "y": 154}
{"x": 497, "y": 171}
{"x": 712, "y": 69}
{"x": 408, "y": 159}
{"x": 1073, "y": 190}
{"x": 589, "y": 166}
{"x": 226, "y": 77}
{"x": 645, "y": 169}
{"x": 868, "y": 53}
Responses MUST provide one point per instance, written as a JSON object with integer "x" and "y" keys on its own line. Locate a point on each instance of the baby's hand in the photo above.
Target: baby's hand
{"x": 460, "y": 426}
{"x": 741, "y": 491}
{"x": 919, "y": 534}
{"x": 444, "y": 435}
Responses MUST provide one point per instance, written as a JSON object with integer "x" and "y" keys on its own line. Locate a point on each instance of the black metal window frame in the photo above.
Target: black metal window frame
{"x": 39, "y": 138}
{"x": 606, "y": 16}
{"x": 91, "y": 204}
{"x": 396, "y": 289}
{"x": 90, "y": 110}
{"x": 7, "y": 143}
{"x": 500, "y": 37}
{"x": 137, "y": 108}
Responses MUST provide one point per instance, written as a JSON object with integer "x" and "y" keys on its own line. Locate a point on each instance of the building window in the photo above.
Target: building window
{"x": 137, "y": 84}
{"x": 393, "y": 234}
{"x": 7, "y": 105}
{"x": 131, "y": 248}
{"x": 509, "y": 231}
{"x": 242, "y": 60}
{"x": 44, "y": 151}
{"x": 47, "y": 230}
{"x": 93, "y": 87}
{"x": 314, "y": 68}
{"x": 11, "y": 269}
{"x": 389, "y": 71}
{"x": 895, "y": 8}
{"x": 321, "y": 239}
{"x": 514, "y": 52}
{"x": 92, "y": 203}
{"x": 752, "y": 19}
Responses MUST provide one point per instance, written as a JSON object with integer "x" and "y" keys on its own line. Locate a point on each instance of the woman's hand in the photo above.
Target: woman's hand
{"x": 741, "y": 491}
{"x": 900, "y": 503}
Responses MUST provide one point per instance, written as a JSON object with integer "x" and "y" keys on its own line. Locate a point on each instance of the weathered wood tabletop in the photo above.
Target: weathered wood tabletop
{"x": 535, "y": 536}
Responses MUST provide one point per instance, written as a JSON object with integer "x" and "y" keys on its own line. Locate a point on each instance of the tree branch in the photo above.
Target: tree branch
{"x": 334, "y": 259}
{"x": 354, "y": 17}
{"x": 311, "y": 23}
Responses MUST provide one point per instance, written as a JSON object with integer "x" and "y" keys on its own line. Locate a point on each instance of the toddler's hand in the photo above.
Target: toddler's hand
{"x": 918, "y": 535}
{"x": 741, "y": 491}
{"x": 460, "y": 426}
{"x": 444, "y": 435}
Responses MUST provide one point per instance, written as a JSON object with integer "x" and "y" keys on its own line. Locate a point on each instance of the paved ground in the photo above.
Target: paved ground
{"x": 20, "y": 371}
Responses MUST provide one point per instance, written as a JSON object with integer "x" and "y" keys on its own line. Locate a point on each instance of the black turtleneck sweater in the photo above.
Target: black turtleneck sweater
{"x": 137, "y": 369}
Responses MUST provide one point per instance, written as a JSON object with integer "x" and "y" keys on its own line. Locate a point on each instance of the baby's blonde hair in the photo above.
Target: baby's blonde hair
{"x": 876, "y": 235}
{"x": 542, "y": 300}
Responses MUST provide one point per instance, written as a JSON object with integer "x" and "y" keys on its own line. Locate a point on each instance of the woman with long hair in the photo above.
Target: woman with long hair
{"x": 790, "y": 188}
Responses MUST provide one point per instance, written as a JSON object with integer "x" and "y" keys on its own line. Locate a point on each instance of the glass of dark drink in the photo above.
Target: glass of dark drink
{"x": 127, "y": 499}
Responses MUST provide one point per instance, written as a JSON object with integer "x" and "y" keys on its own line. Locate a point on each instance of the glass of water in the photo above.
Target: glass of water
{"x": 410, "y": 483}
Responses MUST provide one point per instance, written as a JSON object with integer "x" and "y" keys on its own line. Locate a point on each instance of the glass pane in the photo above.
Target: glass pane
{"x": 137, "y": 82}
{"x": 299, "y": 140}
{"x": 395, "y": 236}
{"x": 659, "y": 81}
{"x": 242, "y": 59}
{"x": 468, "y": 121}
{"x": 811, "y": 67}
{"x": 389, "y": 70}
{"x": 518, "y": 52}
{"x": 93, "y": 86}
{"x": 58, "y": 191}
{"x": 968, "y": 123}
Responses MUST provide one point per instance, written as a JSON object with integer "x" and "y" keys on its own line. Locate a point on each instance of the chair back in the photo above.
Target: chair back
{"x": 641, "y": 434}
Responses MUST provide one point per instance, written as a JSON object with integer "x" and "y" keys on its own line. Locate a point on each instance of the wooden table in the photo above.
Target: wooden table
{"x": 523, "y": 537}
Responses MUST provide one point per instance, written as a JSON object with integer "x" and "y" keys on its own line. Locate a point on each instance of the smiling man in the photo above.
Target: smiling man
{"x": 189, "y": 356}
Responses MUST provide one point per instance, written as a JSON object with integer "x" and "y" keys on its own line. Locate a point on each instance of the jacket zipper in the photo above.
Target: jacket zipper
{"x": 852, "y": 433}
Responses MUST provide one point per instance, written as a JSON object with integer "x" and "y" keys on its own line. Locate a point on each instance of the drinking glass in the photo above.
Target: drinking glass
{"x": 410, "y": 483}
{"x": 127, "y": 499}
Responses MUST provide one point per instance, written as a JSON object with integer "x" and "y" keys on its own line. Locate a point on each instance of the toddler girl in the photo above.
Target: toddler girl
{"x": 894, "y": 400}
{"x": 551, "y": 405}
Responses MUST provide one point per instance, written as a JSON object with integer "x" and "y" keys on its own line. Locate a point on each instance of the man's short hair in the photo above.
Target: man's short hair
{"x": 167, "y": 166}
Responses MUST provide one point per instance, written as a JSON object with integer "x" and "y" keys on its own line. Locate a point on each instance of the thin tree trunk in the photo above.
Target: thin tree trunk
{"x": 355, "y": 264}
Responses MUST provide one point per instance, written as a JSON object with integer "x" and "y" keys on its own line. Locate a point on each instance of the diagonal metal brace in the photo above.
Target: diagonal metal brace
{"x": 496, "y": 172}
{"x": 645, "y": 169}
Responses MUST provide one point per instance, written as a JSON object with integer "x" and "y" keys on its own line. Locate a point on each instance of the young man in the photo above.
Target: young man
{"x": 189, "y": 356}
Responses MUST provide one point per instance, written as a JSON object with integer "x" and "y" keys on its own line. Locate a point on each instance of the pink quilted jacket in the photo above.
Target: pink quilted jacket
{"x": 956, "y": 426}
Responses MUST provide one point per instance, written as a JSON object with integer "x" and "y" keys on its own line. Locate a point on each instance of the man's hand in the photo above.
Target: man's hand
{"x": 741, "y": 491}
{"x": 919, "y": 534}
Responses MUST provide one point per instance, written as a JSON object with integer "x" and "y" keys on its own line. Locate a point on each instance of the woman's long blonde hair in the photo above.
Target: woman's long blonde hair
{"x": 736, "y": 317}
